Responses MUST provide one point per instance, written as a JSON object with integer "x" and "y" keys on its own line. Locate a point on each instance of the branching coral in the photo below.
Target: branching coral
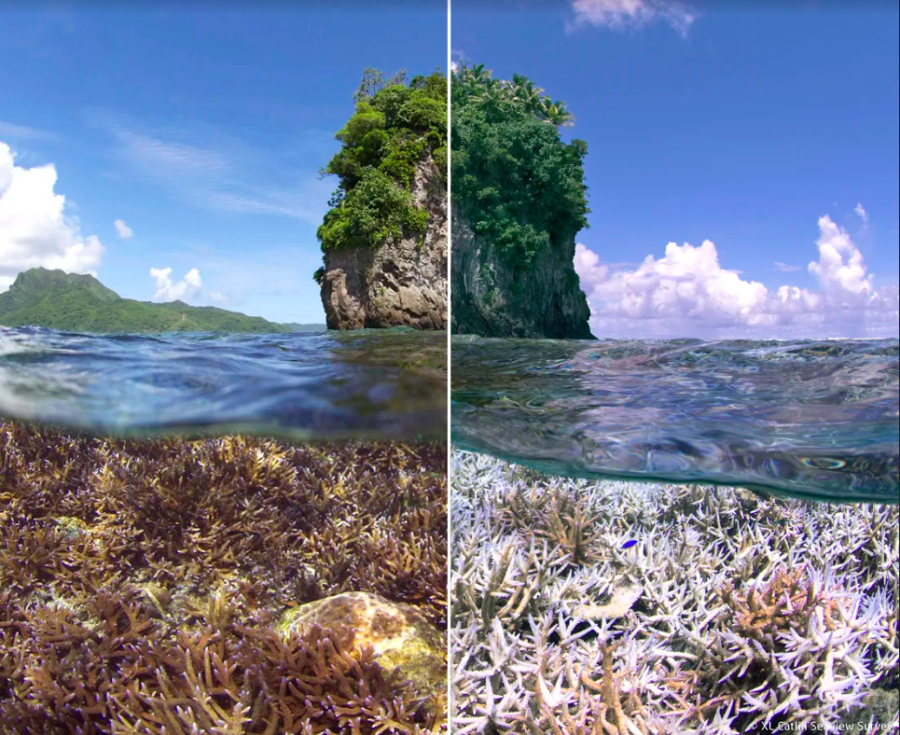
{"x": 142, "y": 582}
{"x": 730, "y": 614}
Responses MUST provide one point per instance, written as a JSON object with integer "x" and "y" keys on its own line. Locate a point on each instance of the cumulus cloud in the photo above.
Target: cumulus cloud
{"x": 862, "y": 213}
{"x": 123, "y": 230}
{"x": 34, "y": 229}
{"x": 623, "y": 14}
{"x": 841, "y": 269}
{"x": 687, "y": 293}
{"x": 169, "y": 290}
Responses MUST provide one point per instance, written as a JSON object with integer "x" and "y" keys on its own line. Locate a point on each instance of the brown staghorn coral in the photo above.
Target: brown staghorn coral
{"x": 787, "y": 602}
{"x": 142, "y": 581}
{"x": 121, "y": 676}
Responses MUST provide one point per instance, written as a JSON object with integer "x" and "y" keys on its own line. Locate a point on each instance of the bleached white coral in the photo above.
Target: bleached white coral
{"x": 750, "y": 610}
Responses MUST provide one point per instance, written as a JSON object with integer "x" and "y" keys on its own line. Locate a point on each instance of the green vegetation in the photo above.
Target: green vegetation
{"x": 395, "y": 127}
{"x": 80, "y": 303}
{"x": 518, "y": 183}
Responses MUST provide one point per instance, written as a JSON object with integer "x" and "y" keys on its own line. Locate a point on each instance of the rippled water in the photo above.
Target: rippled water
{"x": 803, "y": 419}
{"x": 383, "y": 384}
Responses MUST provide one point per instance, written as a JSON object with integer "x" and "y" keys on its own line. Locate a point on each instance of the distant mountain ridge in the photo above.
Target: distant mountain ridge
{"x": 80, "y": 303}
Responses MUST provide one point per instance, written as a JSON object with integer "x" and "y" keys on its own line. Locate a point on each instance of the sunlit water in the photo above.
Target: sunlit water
{"x": 802, "y": 419}
{"x": 378, "y": 384}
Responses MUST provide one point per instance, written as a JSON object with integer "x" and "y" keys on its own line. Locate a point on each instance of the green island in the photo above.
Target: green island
{"x": 394, "y": 126}
{"x": 519, "y": 200}
{"x": 513, "y": 178}
{"x": 73, "y": 302}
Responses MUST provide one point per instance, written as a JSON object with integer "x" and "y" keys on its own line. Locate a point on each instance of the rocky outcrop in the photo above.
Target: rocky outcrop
{"x": 399, "y": 634}
{"x": 491, "y": 301}
{"x": 400, "y": 283}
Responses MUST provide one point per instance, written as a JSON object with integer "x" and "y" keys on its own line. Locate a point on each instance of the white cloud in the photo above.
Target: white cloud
{"x": 169, "y": 290}
{"x": 786, "y": 268}
{"x": 588, "y": 267}
{"x": 34, "y": 229}
{"x": 123, "y": 230}
{"x": 622, "y": 14}
{"x": 23, "y": 132}
{"x": 225, "y": 176}
{"x": 687, "y": 293}
{"x": 218, "y": 297}
{"x": 862, "y": 213}
{"x": 841, "y": 269}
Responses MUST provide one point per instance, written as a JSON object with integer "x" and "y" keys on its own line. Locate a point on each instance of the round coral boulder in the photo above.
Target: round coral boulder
{"x": 400, "y": 635}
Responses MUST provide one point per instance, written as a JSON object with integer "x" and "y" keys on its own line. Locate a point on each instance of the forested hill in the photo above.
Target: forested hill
{"x": 519, "y": 201}
{"x": 80, "y": 303}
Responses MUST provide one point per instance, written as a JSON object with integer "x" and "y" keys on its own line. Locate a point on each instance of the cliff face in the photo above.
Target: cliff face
{"x": 491, "y": 301}
{"x": 403, "y": 282}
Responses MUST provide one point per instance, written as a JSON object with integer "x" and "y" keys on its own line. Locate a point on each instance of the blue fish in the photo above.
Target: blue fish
{"x": 628, "y": 544}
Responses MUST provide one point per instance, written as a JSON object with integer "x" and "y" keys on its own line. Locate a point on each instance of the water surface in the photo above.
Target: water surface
{"x": 378, "y": 384}
{"x": 802, "y": 419}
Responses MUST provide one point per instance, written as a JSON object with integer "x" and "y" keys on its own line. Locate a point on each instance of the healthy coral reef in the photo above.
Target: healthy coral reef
{"x": 732, "y": 613}
{"x": 141, "y": 582}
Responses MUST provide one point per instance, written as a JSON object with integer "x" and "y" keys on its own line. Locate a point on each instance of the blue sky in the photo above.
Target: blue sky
{"x": 758, "y": 127}
{"x": 201, "y": 132}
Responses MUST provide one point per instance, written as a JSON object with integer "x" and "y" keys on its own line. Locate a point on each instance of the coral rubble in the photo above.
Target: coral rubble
{"x": 141, "y": 583}
{"x": 731, "y": 614}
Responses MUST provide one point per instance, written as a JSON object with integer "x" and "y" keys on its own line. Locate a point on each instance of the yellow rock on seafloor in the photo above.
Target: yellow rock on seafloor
{"x": 400, "y": 634}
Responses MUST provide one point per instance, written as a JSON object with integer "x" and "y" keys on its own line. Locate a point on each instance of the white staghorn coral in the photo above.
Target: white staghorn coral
{"x": 731, "y": 613}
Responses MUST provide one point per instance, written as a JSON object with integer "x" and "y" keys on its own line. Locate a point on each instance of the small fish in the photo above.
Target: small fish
{"x": 628, "y": 544}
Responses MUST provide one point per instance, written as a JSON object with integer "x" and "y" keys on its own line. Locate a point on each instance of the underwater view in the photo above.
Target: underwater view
{"x": 674, "y": 536}
{"x": 375, "y": 384}
{"x": 624, "y": 607}
{"x": 803, "y": 419}
{"x": 223, "y": 533}
{"x": 224, "y": 585}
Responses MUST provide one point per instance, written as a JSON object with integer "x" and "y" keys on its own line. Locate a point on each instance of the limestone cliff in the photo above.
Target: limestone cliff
{"x": 490, "y": 300}
{"x": 403, "y": 282}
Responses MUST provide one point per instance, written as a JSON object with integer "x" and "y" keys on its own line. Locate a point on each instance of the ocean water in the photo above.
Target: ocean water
{"x": 806, "y": 419}
{"x": 372, "y": 384}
